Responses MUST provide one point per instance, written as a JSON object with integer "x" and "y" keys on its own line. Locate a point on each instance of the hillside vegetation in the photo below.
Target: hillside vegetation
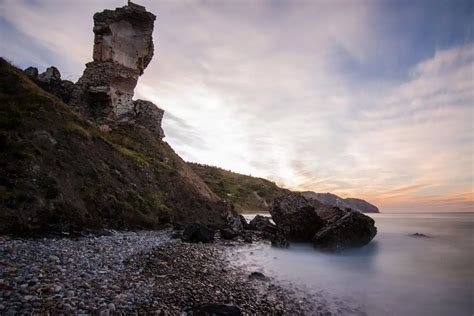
{"x": 248, "y": 194}
{"x": 59, "y": 172}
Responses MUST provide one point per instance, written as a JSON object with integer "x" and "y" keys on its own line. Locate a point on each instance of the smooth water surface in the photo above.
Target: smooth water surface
{"x": 396, "y": 274}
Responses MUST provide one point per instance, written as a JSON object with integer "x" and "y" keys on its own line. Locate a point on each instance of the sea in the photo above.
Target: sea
{"x": 395, "y": 274}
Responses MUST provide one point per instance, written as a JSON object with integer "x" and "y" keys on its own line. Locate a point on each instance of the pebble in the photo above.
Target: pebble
{"x": 130, "y": 273}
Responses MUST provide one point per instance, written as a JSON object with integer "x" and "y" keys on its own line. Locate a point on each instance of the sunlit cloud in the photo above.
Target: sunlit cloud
{"x": 331, "y": 96}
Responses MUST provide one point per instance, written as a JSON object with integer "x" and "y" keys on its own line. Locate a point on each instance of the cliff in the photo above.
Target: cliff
{"x": 86, "y": 155}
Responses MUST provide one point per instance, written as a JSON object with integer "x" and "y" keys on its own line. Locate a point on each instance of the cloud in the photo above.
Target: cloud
{"x": 325, "y": 96}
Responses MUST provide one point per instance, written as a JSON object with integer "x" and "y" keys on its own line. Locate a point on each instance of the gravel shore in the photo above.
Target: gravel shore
{"x": 134, "y": 272}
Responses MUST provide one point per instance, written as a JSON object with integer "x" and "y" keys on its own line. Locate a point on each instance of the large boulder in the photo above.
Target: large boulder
{"x": 296, "y": 217}
{"x": 344, "y": 229}
{"x": 262, "y": 223}
{"x": 198, "y": 233}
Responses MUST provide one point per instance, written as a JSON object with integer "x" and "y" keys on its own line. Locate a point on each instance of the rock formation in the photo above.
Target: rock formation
{"x": 328, "y": 228}
{"x": 346, "y": 230}
{"x": 123, "y": 48}
{"x": 334, "y": 200}
{"x": 262, "y": 223}
{"x": 106, "y": 164}
{"x": 296, "y": 217}
{"x": 51, "y": 81}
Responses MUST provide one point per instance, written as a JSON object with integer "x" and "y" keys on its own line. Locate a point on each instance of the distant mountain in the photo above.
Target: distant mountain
{"x": 334, "y": 200}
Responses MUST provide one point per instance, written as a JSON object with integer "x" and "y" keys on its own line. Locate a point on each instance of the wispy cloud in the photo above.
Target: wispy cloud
{"x": 343, "y": 97}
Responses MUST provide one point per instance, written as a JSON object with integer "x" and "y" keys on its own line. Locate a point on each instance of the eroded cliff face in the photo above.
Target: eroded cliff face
{"x": 123, "y": 48}
{"x": 87, "y": 156}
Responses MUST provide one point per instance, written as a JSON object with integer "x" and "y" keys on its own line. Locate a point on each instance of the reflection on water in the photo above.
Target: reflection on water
{"x": 396, "y": 274}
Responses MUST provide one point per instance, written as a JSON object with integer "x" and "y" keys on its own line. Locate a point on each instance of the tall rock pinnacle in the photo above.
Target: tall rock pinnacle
{"x": 123, "y": 48}
{"x": 124, "y": 36}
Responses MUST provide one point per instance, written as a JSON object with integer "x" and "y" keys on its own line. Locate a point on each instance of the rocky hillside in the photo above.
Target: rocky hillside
{"x": 334, "y": 200}
{"x": 248, "y": 194}
{"x": 99, "y": 160}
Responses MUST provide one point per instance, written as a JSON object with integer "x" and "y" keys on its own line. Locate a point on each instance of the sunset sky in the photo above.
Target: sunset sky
{"x": 369, "y": 99}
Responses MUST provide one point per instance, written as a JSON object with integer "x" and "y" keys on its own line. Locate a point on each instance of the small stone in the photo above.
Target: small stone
{"x": 104, "y": 128}
{"x": 111, "y": 307}
{"x": 67, "y": 307}
{"x": 28, "y": 298}
{"x": 104, "y": 312}
{"x": 53, "y": 258}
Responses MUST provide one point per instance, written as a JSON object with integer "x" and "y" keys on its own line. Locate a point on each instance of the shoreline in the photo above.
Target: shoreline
{"x": 144, "y": 271}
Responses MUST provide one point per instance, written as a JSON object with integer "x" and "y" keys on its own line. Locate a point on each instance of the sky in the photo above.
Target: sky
{"x": 368, "y": 99}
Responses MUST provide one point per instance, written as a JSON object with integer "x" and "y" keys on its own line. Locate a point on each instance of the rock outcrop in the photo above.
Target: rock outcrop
{"x": 328, "y": 228}
{"x": 296, "y": 217}
{"x": 262, "y": 223}
{"x": 51, "y": 81}
{"x": 346, "y": 229}
{"x": 123, "y": 48}
{"x": 330, "y": 199}
{"x": 98, "y": 161}
{"x": 149, "y": 115}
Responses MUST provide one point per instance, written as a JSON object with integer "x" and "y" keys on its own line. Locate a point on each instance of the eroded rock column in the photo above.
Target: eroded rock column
{"x": 123, "y": 48}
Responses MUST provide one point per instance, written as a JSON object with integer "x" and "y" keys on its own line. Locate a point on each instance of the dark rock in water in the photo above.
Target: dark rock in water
{"x": 352, "y": 229}
{"x": 329, "y": 228}
{"x": 216, "y": 309}
{"x": 228, "y": 234}
{"x": 296, "y": 217}
{"x": 257, "y": 276}
{"x": 279, "y": 240}
{"x": 262, "y": 223}
{"x": 243, "y": 222}
{"x": 419, "y": 235}
{"x": 198, "y": 233}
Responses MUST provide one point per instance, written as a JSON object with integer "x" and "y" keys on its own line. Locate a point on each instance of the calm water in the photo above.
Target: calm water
{"x": 396, "y": 274}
